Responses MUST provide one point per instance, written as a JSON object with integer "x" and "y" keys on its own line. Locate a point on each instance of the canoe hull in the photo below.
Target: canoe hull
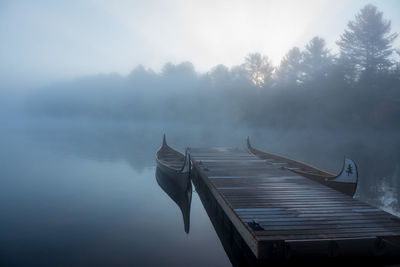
{"x": 345, "y": 182}
{"x": 173, "y": 176}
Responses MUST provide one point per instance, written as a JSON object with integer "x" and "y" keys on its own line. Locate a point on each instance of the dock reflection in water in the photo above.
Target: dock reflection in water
{"x": 179, "y": 188}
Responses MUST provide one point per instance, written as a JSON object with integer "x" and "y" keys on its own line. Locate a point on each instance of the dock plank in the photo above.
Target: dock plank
{"x": 267, "y": 203}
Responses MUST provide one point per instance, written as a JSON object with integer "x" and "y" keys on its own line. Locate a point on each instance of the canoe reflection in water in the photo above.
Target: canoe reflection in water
{"x": 179, "y": 188}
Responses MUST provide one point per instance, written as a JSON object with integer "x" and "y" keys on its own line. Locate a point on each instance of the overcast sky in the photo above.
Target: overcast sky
{"x": 42, "y": 41}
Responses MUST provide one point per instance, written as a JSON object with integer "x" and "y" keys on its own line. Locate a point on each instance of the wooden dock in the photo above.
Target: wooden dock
{"x": 279, "y": 215}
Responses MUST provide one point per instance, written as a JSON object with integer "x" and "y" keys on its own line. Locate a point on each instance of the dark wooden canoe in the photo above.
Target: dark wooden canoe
{"x": 172, "y": 176}
{"x": 345, "y": 182}
{"x": 171, "y": 161}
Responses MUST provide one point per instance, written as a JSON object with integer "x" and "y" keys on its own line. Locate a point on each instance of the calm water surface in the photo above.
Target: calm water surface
{"x": 88, "y": 196}
{"x": 85, "y": 194}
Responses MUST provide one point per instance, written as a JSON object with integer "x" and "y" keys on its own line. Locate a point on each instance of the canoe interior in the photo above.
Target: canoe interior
{"x": 305, "y": 170}
{"x": 170, "y": 158}
{"x": 290, "y": 164}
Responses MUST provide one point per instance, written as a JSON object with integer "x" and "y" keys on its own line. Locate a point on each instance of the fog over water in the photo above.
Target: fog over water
{"x": 82, "y": 192}
{"x": 80, "y": 122}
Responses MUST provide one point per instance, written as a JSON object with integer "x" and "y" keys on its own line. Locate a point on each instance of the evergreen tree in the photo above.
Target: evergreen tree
{"x": 290, "y": 70}
{"x": 259, "y": 69}
{"x": 317, "y": 60}
{"x": 220, "y": 76}
{"x": 367, "y": 43}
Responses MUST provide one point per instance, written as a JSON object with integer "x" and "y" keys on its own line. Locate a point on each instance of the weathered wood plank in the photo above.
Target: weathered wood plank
{"x": 267, "y": 203}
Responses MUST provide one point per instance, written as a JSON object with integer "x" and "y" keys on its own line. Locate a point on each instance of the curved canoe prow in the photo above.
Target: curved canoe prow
{"x": 258, "y": 153}
{"x": 349, "y": 173}
{"x": 345, "y": 182}
{"x": 187, "y": 165}
{"x": 171, "y": 160}
{"x": 164, "y": 141}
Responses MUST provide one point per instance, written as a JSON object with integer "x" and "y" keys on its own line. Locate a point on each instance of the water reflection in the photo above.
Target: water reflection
{"x": 179, "y": 189}
{"x": 87, "y": 188}
{"x": 376, "y": 152}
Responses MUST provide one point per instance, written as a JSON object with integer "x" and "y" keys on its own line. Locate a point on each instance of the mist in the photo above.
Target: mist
{"x": 312, "y": 114}
{"x": 85, "y": 100}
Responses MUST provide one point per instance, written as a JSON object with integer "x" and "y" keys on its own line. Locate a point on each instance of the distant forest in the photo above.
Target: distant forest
{"x": 357, "y": 88}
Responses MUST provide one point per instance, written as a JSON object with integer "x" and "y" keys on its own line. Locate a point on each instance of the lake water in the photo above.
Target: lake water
{"x": 84, "y": 193}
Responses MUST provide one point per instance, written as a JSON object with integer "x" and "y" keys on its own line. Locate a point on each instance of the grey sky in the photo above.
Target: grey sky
{"x": 46, "y": 40}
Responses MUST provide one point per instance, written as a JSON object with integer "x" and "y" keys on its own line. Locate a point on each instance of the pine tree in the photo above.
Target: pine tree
{"x": 290, "y": 70}
{"x": 259, "y": 69}
{"x": 316, "y": 60}
{"x": 367, "y": 43}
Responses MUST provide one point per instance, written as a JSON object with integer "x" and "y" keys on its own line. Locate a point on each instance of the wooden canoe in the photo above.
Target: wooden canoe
{"x": 172, "y": 176}
{"x": 345, "y": 182}
{"x": 171, "y": 161}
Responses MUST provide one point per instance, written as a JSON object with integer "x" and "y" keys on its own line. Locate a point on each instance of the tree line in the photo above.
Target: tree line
{"x": 311, "y": 87}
